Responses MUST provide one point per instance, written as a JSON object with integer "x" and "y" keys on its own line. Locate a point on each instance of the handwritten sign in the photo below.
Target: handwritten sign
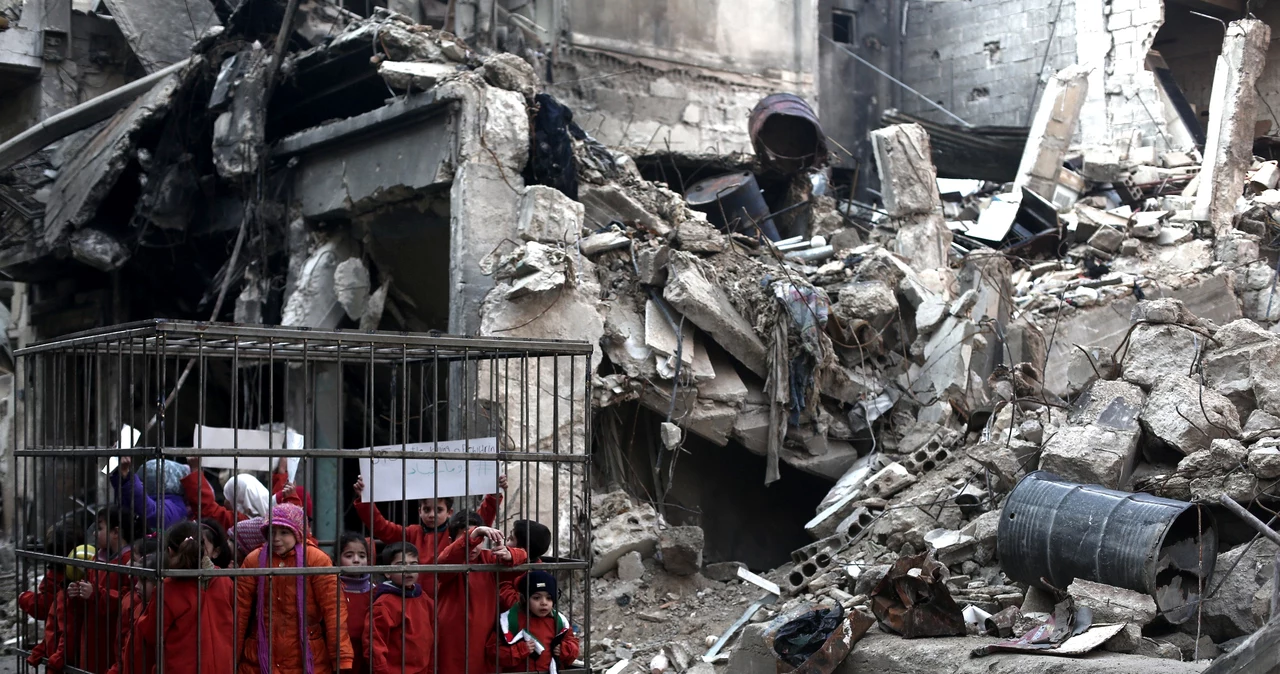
{"x": 408, "y": 478}
{"x": 247, "y": 440}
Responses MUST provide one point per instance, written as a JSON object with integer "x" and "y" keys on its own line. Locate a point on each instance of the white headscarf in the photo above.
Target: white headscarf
{"x": 248, "y": 495}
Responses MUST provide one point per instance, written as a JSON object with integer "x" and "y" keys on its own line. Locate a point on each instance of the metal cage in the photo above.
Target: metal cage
{"x": 305, "y": 413}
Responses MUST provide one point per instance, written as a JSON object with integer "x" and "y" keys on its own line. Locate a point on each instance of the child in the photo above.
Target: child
{"x": 357, "y": 592}
{"x": 154, "y": 495}
{"x": 196, "y": 623}
{"x": 245, "y": 496}
{"x": 49, "y": 603}
{"x": 94, "y": 603}
{"x": 299, "y": 622}
{"x": 135, "y": 657}
{"x": 533, "y": 538}
{"x": 431, "y": 535}
{"x": 218, "y": 549}
{"x": 535, "y": 636}
{"x": 468, "y": 601}
{"x": 402, "y": 635}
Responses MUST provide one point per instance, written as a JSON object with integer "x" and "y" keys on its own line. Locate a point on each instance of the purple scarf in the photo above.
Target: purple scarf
{"x": 263, "y": 648}
{"x": 356, "y": 584}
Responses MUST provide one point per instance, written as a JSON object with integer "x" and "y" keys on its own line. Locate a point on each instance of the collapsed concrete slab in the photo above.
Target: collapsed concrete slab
{"x": 1233, "y": 103}
{"x": 1243, "y": 363}
{"x": 1113, "y": 604}
{"x": 1091, "y": 455}
{"x": 708, "y": 307}
{"x": 908, "y": 179}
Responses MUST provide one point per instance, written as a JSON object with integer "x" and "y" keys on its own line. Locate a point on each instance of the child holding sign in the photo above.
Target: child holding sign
{"x": 432, "y": 535}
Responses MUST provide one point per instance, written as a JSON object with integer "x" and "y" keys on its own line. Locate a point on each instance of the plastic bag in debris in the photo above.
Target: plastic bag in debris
{"x": 799, "y": 639}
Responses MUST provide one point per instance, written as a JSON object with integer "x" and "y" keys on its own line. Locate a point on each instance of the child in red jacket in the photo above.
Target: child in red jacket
{"x": 533, "y": 538}
{"x": 535, "y": 636}
{"x": 402, "y": 635}
{"x": 198, "y": 626}
{"x": 135, "y": 657}
{"x": 468, "y": 601}
{"x": 357, "y": 591}
{"x": 93, "y": 605}
{"x": 429, "y": 537}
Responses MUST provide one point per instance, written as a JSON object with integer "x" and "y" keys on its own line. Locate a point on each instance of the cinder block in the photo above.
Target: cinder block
{"x": 1119, "y": 20}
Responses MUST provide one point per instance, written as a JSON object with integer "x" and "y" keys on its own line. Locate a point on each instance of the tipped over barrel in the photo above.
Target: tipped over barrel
{"x": 1053, "y": 532}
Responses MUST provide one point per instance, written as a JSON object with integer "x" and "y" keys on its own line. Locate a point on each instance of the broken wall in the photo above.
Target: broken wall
{"x": 656, "y": 76}
{"x": 1190, "y": 45}
{"x": 984, "y": 59}
{"x": 851, "y": 96}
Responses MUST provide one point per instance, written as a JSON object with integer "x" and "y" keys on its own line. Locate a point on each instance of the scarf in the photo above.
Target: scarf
{"x": 511, "y": 619}
{"x": 356, "y": 584}
{"x": 388, "y": 587}
{"x": 247, "y": 495}
{"x": 264, "y": 664}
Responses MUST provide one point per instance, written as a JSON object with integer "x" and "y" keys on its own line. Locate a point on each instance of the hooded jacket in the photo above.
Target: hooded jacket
{"x": 402, "y": 618}
{"x": 93, "y": 623}
{"x": 197, "y": 627}
{"x": 54, "y": 644}
{"x": 135, "y": 657}
{"x": 468, "y": 606}
{"x": 519, "y": 654}
{"x": 134, "y": 497}
{"x": 325, "y": 617}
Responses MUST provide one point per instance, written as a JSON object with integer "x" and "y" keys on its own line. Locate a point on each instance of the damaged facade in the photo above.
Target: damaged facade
{"x": 804, "y": 339}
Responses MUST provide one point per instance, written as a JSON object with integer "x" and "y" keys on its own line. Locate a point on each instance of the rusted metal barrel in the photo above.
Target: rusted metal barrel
{"x": 733, "y": 203}
{"x": 786, "y": 134}
{"x": 1053, "y": 532}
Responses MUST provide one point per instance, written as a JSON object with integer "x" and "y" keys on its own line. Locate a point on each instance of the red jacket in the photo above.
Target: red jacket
{"x": 198, "y": 626}
{"x": 508, "y": 594}
{"x": 94, "y": 623}
{"x": 427, "y": 541}
{"x": 403, "y": 620}
{"x": 519, "y": 657}
{"x": 202, "y": 502}
{"x": 135, "y": 656}
{"x": 358, "y": 605}
{"x": 54, "y": 644}
{"x": 468, "y": 610}
{"x": 37, "y": 604}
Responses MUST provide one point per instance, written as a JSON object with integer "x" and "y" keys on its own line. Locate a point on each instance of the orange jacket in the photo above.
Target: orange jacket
{"x": 468, "y": 610}
{"x": 519, "y": 657}
{"x": 407, "y": 621}
{"x": 197, "y": 624}
{"x": 326, "y": 617}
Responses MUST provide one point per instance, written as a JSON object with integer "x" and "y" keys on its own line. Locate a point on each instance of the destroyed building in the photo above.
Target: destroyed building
{"x": 859, "y": 366}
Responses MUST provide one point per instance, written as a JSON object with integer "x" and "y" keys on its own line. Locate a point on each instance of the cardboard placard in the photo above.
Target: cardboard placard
{"x": 409, "y": 479}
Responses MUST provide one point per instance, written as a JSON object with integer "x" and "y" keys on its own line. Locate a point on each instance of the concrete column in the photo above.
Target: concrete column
{"x": 1051, "y": 130}
{"x": 326, "y": 491}
{"x": 1093, "y": 44}
{"x": 1233, "y": 105}
{"x": 909, "y": 188}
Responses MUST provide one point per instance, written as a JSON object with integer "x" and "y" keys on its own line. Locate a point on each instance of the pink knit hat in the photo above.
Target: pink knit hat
{"x": 247, "y": 535}
{"x": 289, "y": 516}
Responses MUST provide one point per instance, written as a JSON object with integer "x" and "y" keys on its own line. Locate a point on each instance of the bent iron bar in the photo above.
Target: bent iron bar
{"x": 114, "y": 466}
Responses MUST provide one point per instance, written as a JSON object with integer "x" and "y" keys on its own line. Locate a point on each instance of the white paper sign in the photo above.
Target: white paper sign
{"x": 128, "y": 436}
{"x": 408, "y": 479}
{"x": 247, "y": 440}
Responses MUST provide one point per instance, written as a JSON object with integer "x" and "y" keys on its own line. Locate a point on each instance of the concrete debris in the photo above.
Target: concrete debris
{"x": 918, "y": 357}
{"x": 1113, "y": 604}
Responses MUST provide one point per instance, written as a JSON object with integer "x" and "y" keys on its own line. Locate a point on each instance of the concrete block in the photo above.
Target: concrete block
{"x": 1110, "y": 404}
{"x": 1244, "y": 365}
{"x": 908, "y": 178}
{"x": 680, "y": 549}
{"x": 1188, "y": 417}
{"x": 1158, "y": 351}
{"x": 1264, "y": 462}
{"x": 1091, "y": 455}
{"x": 630, "y": 567}
{"x": 634, "y": 530}
{"x": 1241, "y": 571}
{"x": 547, "y": 215}
{"x": 1113, "y": 604}
{"x": 890, "y": 480}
